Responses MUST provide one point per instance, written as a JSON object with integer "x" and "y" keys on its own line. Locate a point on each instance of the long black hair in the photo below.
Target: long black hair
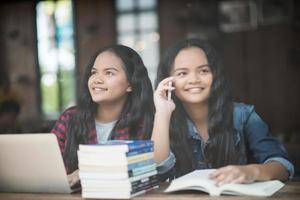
{"x": 220, "y": 151}
{"x": 137, "y": 111}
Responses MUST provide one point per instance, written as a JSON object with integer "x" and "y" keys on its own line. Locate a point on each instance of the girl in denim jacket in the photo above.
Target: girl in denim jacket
{"x": 201, "y": 127}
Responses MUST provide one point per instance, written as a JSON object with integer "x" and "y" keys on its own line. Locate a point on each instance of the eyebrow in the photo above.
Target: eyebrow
{"x": 105, "y": 69}
{"x": 111, "y": 68}
{"x": 184, "y": 68}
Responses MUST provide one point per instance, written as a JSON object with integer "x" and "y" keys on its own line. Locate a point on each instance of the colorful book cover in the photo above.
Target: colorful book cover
{"x": 116, "y": 145}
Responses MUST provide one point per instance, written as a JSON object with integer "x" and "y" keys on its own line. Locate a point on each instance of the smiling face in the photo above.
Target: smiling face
{"x": 193, "y": 76}
{"x": 108, "y": 82}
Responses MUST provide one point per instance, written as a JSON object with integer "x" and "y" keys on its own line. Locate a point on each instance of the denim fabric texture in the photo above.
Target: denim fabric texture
{"x": 260, "y": 146}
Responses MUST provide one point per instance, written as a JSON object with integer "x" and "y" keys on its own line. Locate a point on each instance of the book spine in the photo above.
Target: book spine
{"x": 138, "y": 144}
{"x": 143, "y": 191}
{"x": 141, "y": 183}
{"x": 140, "y": 164}
{"x": 139, "y": 151}
{"x": 146, "y": 179}
{"x": 142, "y": 170}
{"x": 144, "y": 186}
{"x": 142, "y": 176}
{"x": 140, "y": 157}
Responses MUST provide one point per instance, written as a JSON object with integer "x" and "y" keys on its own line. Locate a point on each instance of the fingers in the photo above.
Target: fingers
{"x": 230, "y": 178}
{"x": 229, "y": 174}
{"x": 166, "y": 80}
{"x": 73, "y": 178}
{"x": 220, "y": 176}
{"x": 219, "y": 172}
{"x": 164, "y": 86}
{"x": 69, "y": 179}
{"x": 72, "y": 181}
{"x": 162, "y": 97}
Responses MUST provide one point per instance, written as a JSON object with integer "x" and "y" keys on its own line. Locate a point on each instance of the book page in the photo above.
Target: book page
{"x": 266, "y": 188}
{"x": 196, "y": 180}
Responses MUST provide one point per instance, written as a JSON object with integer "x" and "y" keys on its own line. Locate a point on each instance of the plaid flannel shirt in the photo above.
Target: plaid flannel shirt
{"x": 62, "y": 124}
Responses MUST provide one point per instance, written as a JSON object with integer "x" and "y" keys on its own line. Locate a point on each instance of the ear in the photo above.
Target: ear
{"x": 129, "y": 88}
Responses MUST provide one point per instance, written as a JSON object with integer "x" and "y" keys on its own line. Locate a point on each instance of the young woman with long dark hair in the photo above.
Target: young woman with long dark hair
{"x": 204, "y": 128}
{"x": 116, "y": 102}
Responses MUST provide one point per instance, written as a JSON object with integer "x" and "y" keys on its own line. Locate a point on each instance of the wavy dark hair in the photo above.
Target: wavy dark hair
{"x": 221, "y": 149}
{"x": 137, "y": 111}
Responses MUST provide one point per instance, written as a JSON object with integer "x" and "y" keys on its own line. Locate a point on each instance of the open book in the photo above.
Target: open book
{"x": 198, "y": 180}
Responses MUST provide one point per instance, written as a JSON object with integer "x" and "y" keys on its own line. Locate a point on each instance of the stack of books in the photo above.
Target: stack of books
{"x": 117, "y": 169}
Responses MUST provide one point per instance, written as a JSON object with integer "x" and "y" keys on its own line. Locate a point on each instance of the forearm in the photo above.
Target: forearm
{"x": 160, "y": 136}
{"x": 270, "y": 171}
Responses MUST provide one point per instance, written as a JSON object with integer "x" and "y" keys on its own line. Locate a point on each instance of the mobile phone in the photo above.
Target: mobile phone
{"x": 169, "y": 91}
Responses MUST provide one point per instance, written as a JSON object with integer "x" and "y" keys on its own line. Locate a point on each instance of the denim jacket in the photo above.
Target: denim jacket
{"x": 250, "y": 129}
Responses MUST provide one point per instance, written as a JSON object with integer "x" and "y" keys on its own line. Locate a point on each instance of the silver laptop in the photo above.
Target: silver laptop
{"x": 32, "y": 163}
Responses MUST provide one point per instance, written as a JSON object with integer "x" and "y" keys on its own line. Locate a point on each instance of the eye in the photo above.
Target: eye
{"x": 93, "y": 72}
{"x": 205, "y": 70}
{"x": 180, "y": 74}
{"x": 109, "y": 73}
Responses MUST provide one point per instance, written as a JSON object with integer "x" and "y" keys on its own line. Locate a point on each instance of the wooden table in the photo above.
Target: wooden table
{"x": 291, "y": 191}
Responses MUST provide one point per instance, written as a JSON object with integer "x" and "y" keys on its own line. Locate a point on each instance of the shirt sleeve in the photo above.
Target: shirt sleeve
{"x": 167, "y": 164}
{"x": 60, "y": 128}
{"x": 285, "y": 163}
{"x": 262, "y": 145}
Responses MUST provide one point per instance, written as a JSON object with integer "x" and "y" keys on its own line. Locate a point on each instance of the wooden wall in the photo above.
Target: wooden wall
{"x": 18, "y": 53}
{"x": 263, "y": 64}
{"x": 264, "y": 73}
{"x": 94, "y": 27}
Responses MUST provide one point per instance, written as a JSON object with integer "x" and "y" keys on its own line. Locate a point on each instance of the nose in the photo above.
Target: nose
{"x": 97, "y": 80}
{"x": 194, "y": 78}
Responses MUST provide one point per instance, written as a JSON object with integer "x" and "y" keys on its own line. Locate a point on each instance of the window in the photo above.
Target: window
{"x": 55, "y": 55}
{"x": 137, "y": 27}
{"x": 237, "y": 15}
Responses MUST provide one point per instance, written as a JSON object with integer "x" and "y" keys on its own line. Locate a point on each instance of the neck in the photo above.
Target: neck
{"x": 197, "y": 112}
{"x": 108, "y": 112}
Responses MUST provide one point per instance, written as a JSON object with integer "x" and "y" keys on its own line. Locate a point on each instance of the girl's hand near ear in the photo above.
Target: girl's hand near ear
{"x": 164, "y": 109}
{"x": 161, "y": 102}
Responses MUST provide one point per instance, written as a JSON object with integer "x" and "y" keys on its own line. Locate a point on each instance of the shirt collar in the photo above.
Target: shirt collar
{"x": 192, "y": 130}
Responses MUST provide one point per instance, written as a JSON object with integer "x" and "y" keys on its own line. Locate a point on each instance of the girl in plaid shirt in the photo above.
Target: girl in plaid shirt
{"x": 116, "y": 102}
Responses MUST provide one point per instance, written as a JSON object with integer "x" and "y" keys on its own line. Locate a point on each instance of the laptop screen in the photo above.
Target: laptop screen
{"x": 32, "y": 163}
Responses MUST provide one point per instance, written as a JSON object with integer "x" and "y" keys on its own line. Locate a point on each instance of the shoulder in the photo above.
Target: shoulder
{"x": 63, "y": 121}
{"x": 68, "y": 113}
{"x": 239, "y": 107}
{"x": 71, "y": 110}
{"x": 241, "y": 113}
{"x": 242, "y": 109}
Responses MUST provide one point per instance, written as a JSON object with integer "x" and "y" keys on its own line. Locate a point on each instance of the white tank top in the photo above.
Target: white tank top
{"x": 103, "y": 130}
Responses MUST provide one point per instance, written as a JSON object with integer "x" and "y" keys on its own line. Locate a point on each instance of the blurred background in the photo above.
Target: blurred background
{"x": 45, "y": 46}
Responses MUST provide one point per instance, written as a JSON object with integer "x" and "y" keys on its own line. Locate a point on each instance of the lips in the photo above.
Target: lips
{"x": 194, "y": 89}
{"x": 99, "y": 89}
